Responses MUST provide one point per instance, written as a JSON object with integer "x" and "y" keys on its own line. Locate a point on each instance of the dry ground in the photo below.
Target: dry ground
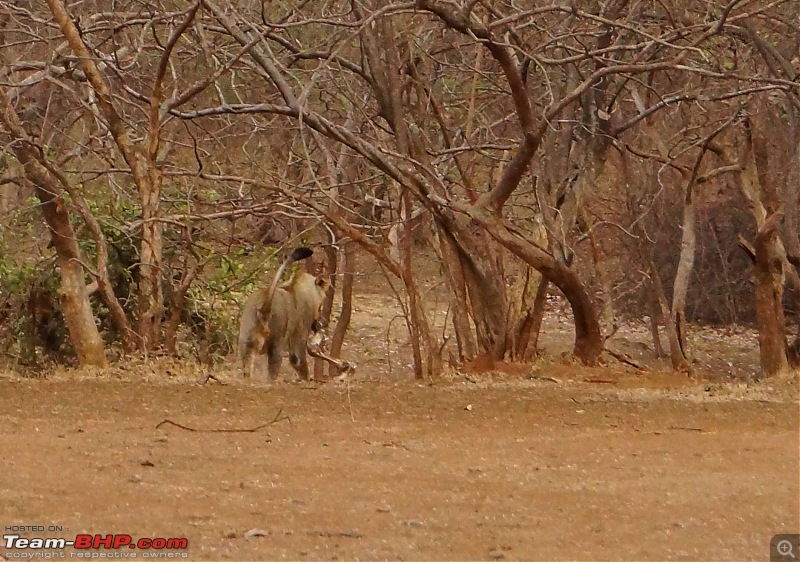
{"x": 545, "y": 469}
{"x": 552, "y": 462}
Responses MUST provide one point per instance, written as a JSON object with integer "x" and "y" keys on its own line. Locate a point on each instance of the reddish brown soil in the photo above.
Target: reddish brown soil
{"x": 545, "y": 469}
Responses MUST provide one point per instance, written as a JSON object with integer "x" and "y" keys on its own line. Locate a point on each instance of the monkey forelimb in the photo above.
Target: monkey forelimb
{"x": 314, "y": 348}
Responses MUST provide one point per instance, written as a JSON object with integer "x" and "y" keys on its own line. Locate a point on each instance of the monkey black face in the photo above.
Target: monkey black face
{"x": 318, "y": 325}
{"x": 300, "y": 253}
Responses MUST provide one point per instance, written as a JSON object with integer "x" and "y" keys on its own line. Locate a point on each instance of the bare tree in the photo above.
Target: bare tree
{"x": 74, "y": 296}
{"x": 536, "y": 141}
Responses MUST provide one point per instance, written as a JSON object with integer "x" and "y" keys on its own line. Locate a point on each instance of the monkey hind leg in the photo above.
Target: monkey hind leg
{"x": 252, "y": 350}
{"x": 246, "y": 356}
{"x": 247, "y": 364}
{"x": 274, "y": 361}
{"x": 253, "y": 365}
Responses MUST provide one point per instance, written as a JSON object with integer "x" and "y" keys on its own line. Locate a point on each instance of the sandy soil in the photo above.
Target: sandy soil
{"x": 562, "y": 466}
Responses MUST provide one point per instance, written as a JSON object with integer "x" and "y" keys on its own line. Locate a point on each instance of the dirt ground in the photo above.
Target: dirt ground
{"x": 555, "y": 466}
{"x": 547, "y": 461}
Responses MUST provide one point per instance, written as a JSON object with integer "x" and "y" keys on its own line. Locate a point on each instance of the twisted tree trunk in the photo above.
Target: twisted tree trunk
{"x": 769, "y": 297}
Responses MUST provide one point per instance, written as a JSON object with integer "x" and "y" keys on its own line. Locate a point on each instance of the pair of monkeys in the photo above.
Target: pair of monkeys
{"x": 281, "y": 317}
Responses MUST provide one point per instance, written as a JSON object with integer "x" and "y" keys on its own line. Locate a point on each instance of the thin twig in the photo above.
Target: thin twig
{"x": 278, "y": 417}
{"x": 679, "y": 428}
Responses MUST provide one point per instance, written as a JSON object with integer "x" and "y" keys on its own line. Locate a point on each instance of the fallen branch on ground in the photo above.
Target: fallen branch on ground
{"x": 210, "y": 377}
{"x": 278, "y": 417}
{"x": 622, "y": 358}
{"x": 679, "y": 428}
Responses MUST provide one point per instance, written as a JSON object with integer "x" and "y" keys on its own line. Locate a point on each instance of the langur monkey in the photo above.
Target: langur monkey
{"x": 281, "y": 317}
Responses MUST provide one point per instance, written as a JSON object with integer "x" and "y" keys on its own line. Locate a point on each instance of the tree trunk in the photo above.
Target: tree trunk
{"x": 151, "y": 298}
{"x": 689, "y": 243}
{"x": 73, "y": 296}
{"x": 771, "y": 258}
{"x": 330, "y": 269}
{"x": 467, "y": 348}
{"x": 655, "y": 313}
{"x": 588, "y": 337}
{"x": 486, "y": 297}
{"x": 531, "y": 324}
{"x": 143, "y": 167}
{"x": 606, "y": 304}
{"x": 679, "y": 361}
{"x": 660, "y": 305}
{"x": 486, "y": 306}
{"x": 75, "y": 305}
{"x": 769, "y": 298}
{"x": 104, "y": 286}
{"x": 414, "y": 303}
{"x": 178, "y": 303}
{"x": 684, "y": 272}
{"x": 791, "y": 231}
{"x": 346, "y": 310}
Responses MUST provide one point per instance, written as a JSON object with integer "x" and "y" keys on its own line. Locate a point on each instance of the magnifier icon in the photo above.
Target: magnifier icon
{"x": 785, "y": 548}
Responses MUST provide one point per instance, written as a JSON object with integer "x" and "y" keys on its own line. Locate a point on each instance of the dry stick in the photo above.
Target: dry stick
{"x": 679, "y": 428}
{"x": 621, "y": 357}
{"x": 278, "y": 418}
{"x": 210, "y": 377}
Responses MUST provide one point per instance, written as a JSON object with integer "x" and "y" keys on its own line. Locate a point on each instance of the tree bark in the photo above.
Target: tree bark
{"x": 680, "y": 287}
{"x": 346, "y": 310}
{"x": 606, "y": 303}
{"x": 769, "y": 298}
{"x": 178, "y": 304}
{"x": 588, "y": 336}
{"x": 771, "y": 261}
{"x": 659, "y": 304}
{"x": 679, "y": 361}
{"x": 531, "y": 324}
{"x": 143, "y": 169}
{"x": 488, "y": 304}
{"x": 105, "y": 287}
{"x": 684, "y": 272}
{"x": 655, "y": 313}
{"x": 465, "y": 340}
{"x": 791, "y": 231}
{"x": 73, "y": 295}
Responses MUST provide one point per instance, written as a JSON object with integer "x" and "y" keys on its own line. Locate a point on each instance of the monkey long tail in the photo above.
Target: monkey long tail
{"x": 297, "y": 254}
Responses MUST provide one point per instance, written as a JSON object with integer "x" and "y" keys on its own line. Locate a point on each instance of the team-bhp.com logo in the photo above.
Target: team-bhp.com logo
{"x": 88, "y": 546}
